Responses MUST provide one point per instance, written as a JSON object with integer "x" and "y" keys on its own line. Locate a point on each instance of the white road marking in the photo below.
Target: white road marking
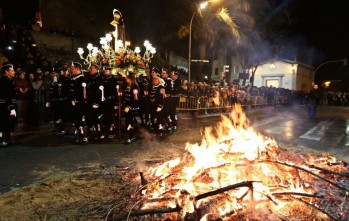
{"x": 316, "y": 132}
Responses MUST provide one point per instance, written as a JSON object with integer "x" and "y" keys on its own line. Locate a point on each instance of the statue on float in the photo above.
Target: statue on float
{"x": 119, "y": 27}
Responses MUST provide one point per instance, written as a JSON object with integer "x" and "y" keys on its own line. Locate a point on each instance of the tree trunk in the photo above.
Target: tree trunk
{"x": 202, "y": 55}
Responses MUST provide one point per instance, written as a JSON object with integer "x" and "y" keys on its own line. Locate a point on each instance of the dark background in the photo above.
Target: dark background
{"x": 316, "y": 26}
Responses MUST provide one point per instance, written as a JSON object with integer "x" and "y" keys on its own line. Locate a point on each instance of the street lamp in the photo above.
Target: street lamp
{"x": 202, "y": 6}
{"x": 327, "y": 62}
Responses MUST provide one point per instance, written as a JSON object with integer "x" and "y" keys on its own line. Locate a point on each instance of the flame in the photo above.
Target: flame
{"x": 230, "y": 153}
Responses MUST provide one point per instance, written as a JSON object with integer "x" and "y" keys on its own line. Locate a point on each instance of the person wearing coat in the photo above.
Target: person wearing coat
{"x": 8, "y": 105}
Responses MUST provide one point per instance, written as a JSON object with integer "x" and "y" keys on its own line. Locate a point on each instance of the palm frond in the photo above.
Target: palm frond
{"x": 183, "y": 31}
{"x": 224, "y": 16}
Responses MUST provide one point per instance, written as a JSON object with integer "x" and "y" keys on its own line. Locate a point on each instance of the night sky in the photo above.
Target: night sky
{"x": 323, "y": 24}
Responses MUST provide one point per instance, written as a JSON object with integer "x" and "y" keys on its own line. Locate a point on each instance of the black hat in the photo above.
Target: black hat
{"x": 174, "y": 73}
{"x": 76, "y": 64}
{"x": 164, "y": 69}
{"x": 94, "y": 65}
{"x": 130, "y": 74}
{"x": 6, "y": 67}
{"x": 156, "y": 70}
{"x": 106, "y": 67}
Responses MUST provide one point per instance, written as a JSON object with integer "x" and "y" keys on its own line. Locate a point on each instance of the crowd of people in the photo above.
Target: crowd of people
{"x": 91, "y": 100}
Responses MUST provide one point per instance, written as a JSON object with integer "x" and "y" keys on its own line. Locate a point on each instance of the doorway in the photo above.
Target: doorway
{"x": 272, "y": 82}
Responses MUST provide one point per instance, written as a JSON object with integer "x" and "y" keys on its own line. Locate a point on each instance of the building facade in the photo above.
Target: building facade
{"x": 282, "y": 73}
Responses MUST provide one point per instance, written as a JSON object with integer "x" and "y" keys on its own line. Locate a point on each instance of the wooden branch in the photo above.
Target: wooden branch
{"x": 222, "y": 190}
{"x": 243, "y": 196}
{"x": 149, "y": 183}
{"x": 345, "y": 174}
{"x": 307, "y": 171}
{"x": 338, "y": 163}
{"x": 317, "y": 208}
{"x": 269, "y": 197}
{"x": 298, "y": 194}
{"x": 122, "y": 216}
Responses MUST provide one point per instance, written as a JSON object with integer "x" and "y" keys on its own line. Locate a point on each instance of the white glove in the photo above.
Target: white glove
{"x": 73, "y": 103}
{"x": 47, "y": 105}
{"x": 13, "y": 113}
{"x": 95, "y": 106}
{"x": 126, "y": 109}
{"x": 159, "y": 109}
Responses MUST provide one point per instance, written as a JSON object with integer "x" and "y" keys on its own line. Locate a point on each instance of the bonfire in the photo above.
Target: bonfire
{"x": 236, "y": 173}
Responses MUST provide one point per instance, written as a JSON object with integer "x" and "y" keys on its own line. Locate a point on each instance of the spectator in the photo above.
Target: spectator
{"x": 314, "y": 97}
{"x": 38, "y": 98}
{"x": 184, "y": 88}
{"x": 23, "y": 87}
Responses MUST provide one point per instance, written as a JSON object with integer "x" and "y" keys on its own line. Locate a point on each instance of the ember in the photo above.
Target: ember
{"x": 238, "y": 174}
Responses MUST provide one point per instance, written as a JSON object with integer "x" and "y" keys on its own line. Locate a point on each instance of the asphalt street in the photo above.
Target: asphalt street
{"x": 39, "y": 153}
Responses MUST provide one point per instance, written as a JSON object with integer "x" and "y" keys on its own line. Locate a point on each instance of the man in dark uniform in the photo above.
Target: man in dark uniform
{"x": 78, "y": 101}
{"x": 143, "y": 84}
{"x": 8, "y": 105}
{"x": 94, "y": 97}
{"x": 121, "y": 84}
{"x": 158, "y": 116}
{"x": 131, "y": 105}
{"x": 148, "y": 105}
{"x": 313, "y": 97}
{"x": 167, "y": 80}
{"x": 173, "y": 100}
{"x": 154, "y": 73}
{"x": 109, "y": 89}
{"x": 57, "y": 99}
{"x": 167, "y": 86}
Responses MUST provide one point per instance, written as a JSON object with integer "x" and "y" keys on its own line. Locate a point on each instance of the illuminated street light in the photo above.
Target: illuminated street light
{"x": 202, "y": 5}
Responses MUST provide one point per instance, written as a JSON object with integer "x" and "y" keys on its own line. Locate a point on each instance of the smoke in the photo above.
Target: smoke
{"x": 281, "y": 6}
{"x": 298, "y": 47}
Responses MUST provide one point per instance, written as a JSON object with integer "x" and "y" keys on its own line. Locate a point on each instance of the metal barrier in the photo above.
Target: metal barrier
{"x": 209, "y": 103}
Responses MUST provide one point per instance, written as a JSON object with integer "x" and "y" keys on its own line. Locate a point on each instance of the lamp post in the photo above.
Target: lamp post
{"x": 202, "y": 6}
{"x": 189, "y": 53}
{"x": 327, "y": 62}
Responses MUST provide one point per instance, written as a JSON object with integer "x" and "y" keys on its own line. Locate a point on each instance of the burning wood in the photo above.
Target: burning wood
{"x": 238, "y": 174}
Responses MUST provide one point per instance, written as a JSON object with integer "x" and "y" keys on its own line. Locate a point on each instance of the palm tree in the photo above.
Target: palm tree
{"x": 274, "y": 21}
{"x": 229, "y": 23}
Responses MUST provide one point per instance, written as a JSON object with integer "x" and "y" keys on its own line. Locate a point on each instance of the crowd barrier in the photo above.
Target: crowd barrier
{"x": 217, "y": 103}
